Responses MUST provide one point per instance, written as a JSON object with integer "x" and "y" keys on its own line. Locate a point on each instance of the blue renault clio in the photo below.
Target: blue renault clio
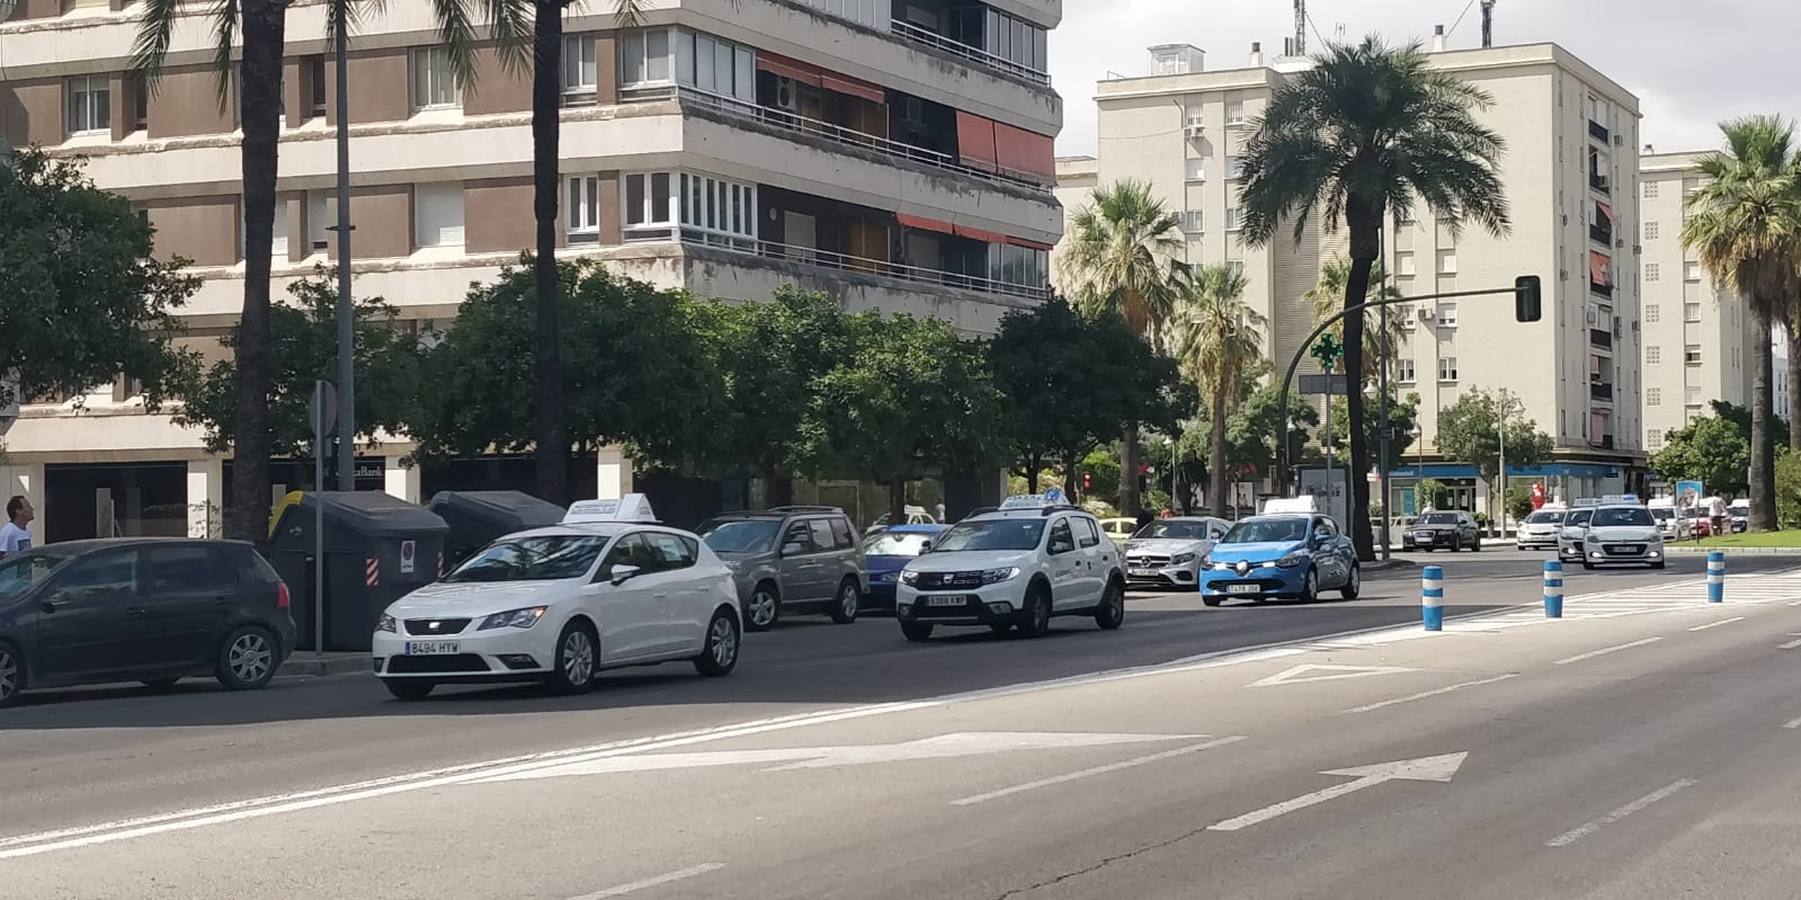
{"x": 1286, "y": 555}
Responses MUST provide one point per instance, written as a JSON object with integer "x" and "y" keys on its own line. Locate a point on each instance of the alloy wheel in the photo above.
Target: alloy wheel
{"x": 578, "y": 658}
{"x": 9, "y": 675}
{"x": 724, "y": 640}
{"x": 762, "y": 609}
{"x": 847, "y": 600}
{"x": 250, "y": 658}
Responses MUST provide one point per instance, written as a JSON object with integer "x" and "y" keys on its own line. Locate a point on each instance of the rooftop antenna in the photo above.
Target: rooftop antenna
{"x": 1488, "y": 23}
{"x": 1300, "y": 27}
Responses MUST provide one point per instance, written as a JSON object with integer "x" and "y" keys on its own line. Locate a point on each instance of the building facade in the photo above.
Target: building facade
{"x": 1568, "y": 174}
{"x": 894, "y": 155}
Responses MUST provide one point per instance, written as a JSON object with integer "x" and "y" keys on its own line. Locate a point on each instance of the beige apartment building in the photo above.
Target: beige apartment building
{"x": 1568, "y": 171}
{"x": 1697, "y": 345}
{"x": 894, "y": 154}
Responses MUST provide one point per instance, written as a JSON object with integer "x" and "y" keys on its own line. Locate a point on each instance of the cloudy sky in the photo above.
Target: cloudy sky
{"x": 1691, "y": 62}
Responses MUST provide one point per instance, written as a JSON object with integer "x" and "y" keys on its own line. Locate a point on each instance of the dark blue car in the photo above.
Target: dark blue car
{"x": 887, "y": 552}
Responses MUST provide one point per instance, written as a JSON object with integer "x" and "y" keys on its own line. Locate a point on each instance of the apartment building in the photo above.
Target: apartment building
{"x": 1697, "y": 345}
{"x": 1567, "y": 127}
{"x": 895, "y": 154}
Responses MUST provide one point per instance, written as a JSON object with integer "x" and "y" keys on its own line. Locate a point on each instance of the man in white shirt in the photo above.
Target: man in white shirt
{"x": 14, "y": 535}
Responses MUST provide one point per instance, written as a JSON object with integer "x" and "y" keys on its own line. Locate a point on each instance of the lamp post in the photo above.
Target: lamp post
{"x": 346, "y": 311}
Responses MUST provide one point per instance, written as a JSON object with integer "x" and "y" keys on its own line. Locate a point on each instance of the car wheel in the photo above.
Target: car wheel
{"x": 575, "y": 660}
{"x": 844, "y": 610}
{"x": 408, "y": 689}
{"x": 1037, "y": 613}
{"x": 1588, "y": 565}
{"x": 1112, "y": 612}
{"x": 1657, "y": 565}
{"x": 720, "y": 653}
{"x": 247, "y": 659}
{"x": 1476, "y": 544}
{"x": 12, "y": 675}
{"x": 765, "y": 608}
{"x": 160, "y": 684}
{"x": 1309, "y": 586}
{"x": 1456, "y": 546}
{"x": 1210, "y": 601}
{"x": 1000, "y": 627}
{"x": 1353, "y": 585}
{"x": 917, "y": 631}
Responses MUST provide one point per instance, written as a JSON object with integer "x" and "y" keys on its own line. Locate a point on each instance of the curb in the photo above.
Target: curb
{"x": 1393, "y": 562}
{"x": 304, "y": 663}
{"x": 1734, "y": 551}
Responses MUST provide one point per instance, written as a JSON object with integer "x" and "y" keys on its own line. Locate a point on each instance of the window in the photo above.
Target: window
{"x": 1447, "y": 368}
{"x": 717, "y": 207}
{"x": 438, "y": 215}
{"x": 1404, "y": 372}
{"x": 1650, "y": 190}
{"x": 841, "y": 533}
{"x": 1652, "y": 272}
{"x": 578, "y": 70}
{"x": 188, "y": 570}
{"x": 822, "y": 533}
{"x": 798, "y": 533}
{"x": 1062, "y": 539}
{"x": 1404, "y": 264}
{"x": 278, "y": 232}
{"x": 1409, "y": 319}
{"x": 433, "y": 84}
{"x": 1194, "y": 221}
{"x": 1196, "y": 169}
{"x": 1691, "y": 354}
{"x": 1691, "y": 312}
{"x": 314, "y": 69}
{"x": 645, "y": 56}
{"x": 1232, "y": 223}
{"x": 1447, "y": 315}
{"x": 1013, "y": 264}
{"x": 860, "y": 11}
{"x": 139, "y": 91}
{"x": 715, "y": 65}
{"x": 582, "y": 200}
{"x": 1653, "y": 396}
{"x": 1652, "y": 231}
{"x": 319, "y": 220}
{"x": 1654, "y": 439}
{"x": 1013, "y": 40}
{"x": 1447, "y": 264}
{"x": 1691, "y": 271}
{"x": 89, "y": 102}
{"x": 1234, "y": 112}
{"x": 1086, "y": 533}
{"x": 1653, "y": 355}
{"x": 649, "y": 205}
{"x": 102, "y": 576}
{"x": 1691, "y": 394}
{"x": 1234, "y": 167}
{"x": 668, "y": 551}
{"x": 1236, "y": 267}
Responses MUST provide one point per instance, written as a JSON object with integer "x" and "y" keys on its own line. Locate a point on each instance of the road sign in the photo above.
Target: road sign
{"x": 322, "y": 409}
{"x": 408, "y": 551}
{"x": 1426, "y": 768}
{"x": 1317, "y": 384}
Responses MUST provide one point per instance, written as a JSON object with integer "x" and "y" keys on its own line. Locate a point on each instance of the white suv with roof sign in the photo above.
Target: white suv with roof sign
{"x": 607, "y": 587}
{"x": 1017, "y": 566}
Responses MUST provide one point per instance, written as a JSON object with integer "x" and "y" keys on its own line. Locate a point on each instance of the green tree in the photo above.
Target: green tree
{"x": 1217, "y": 337}
{"x": 1120, "y": 254}
{"x": 389, "y": 371}
{"x": 1368, "y": 130}
{"x": 1327, "y": 298}
{"x": 1102, "y": 467}
{"x": 1788, "y": 490}
{"x": 1714, "y": 450}
{"x": 1403, "y": 417}
{"x": 1470, "y": 430}
{"x": 1432, "y": 494}
{"x": 1745, "y": 224}
{"x": 84, "y": 300}
{"x": 1519, "y": 502}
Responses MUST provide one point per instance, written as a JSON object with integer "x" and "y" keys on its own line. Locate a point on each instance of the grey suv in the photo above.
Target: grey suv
{"x": 791, "y": 559}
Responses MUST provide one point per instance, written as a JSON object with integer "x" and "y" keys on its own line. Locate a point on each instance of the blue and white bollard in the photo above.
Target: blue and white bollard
{"x": 1716, "y": 576}
{"x": 1553, "y": 589}
{"x": 1432, "y": 597}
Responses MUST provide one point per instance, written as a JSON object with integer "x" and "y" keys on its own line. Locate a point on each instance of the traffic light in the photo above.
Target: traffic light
{"x": 1527, "y": 301}
{"x": 1087, "y": 482}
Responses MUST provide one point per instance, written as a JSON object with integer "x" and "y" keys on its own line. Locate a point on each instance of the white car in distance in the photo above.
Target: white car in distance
{"x": 610, "y": 586}
{"x": 1171, "y": 552}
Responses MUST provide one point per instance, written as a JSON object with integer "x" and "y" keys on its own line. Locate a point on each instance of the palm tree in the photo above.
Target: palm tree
{"x": 1216, "y": 338}
{"x": 1121, "y": 257}
{"x": 1368, "y": 130}
{"x": 1745, "y": 224}
{"x": 1327, "y": 297}
{"x": 262, "y": 23}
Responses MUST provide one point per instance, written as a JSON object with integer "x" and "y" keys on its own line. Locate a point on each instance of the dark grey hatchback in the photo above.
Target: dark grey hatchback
{"x": 140, "y": 609}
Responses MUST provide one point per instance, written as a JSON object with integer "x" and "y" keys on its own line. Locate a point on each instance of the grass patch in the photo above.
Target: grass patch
{"x": 1752, "y": 539}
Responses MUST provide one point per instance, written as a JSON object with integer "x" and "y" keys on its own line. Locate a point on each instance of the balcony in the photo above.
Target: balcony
{"x": 911, "y": 32}
{"x": 1600, "y": 338}
{"x": 1598, "y": 131}
{"x": 1600, "y": 290}
{"x": 844, "y": 262}
{"x": 1601, "y": 234}
{"x": 1599, "y": 183}
{"x": 1601, "y": 391}
{"x": 1607, "y": 442}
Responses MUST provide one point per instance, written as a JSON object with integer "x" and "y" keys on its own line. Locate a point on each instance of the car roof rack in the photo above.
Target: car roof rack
{"x": 802, "y": 508}
{"x": 981, "y": 511}
{"x": 1060, "y": 507}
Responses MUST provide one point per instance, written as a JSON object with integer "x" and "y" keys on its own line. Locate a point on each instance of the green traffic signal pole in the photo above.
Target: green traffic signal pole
{"x": 1307, "y": 345}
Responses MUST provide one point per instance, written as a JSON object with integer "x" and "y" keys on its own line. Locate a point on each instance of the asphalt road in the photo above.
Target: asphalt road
{"x": 892, "y": 750}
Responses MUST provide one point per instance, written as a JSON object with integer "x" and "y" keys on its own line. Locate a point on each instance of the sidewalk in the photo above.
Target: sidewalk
{"x": 305, "y": 662}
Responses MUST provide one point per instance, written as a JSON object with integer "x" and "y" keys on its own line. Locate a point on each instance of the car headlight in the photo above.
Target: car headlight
{"x": 513, "y": 618}
{"x": 1206, "y": 560}
{"x": 1591, "y": 539}
{"x": 386, "y": 623}
{"x": 1291, "y": 560}
{"x": 1181, "y": 559}
{"x": 909, "y": 576}
{"x": 996, "y": 576}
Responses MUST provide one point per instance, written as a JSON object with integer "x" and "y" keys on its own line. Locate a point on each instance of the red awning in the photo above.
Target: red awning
{"x": 977, "y": 234}
{"x": 1023, "y": 151}
{"x": 924, "y": 224}
{"x": 975, "y": 141}
{"x": 847, "y": 85}
{"x": 1606, "y": 211}
{"x": 789, "y": 68}
{"x": 1600, "y": 269}
{"x": 1022, "y": 242}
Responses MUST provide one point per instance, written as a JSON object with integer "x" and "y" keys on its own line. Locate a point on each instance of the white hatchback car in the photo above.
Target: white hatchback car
{"x": 1172, "y": 552}
{"x": 608, "y": 587}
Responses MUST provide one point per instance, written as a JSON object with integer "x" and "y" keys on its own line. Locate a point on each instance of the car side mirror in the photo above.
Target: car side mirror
{"x": 925, "y": 548}
{"x": 57, "y": 600}
{"x": 620, "y": 574}
{"x": 792, "y": 548}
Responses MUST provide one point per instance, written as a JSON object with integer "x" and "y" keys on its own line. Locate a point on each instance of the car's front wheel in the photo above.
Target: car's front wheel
{"x": 917, "y": 632}
{"x": 1037, "y": 619}
{"x": 576, "y": 660}
{"x": 1353, "y": 584}
{"x": 765, "y": 607}
{"x": 1309, "y": 586}
{"x": 408, "y": 689}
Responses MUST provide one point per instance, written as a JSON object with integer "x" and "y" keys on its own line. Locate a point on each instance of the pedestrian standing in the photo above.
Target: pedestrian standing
{"x": 15, "y": 535}
{"x": 1716, "y": 510}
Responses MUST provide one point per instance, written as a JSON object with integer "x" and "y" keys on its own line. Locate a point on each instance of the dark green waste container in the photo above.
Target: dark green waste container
{"x": 378, "y": 548}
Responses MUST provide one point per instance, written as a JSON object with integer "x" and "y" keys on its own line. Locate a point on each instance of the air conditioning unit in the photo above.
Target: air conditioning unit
{"x": 1427, "y": 314}
{"x": 1591, "y": 317}
{"x": 1618, "y": 328}
{"x": 1195, "y": 130}
{"x": 1619, "y": 140}
{"x": 1563, "y": 274}
{"x": 1619, "y": 244}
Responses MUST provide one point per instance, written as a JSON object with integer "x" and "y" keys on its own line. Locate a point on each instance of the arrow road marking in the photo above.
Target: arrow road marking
{"x": 1793, "y": 725}
{"x": 1426, "y": 768}
{"x": 1790, "y": 645}
{"x": 1575, "y": 834}
{"x": 1312, "y": 672}
{"x": 1098, "y": 770}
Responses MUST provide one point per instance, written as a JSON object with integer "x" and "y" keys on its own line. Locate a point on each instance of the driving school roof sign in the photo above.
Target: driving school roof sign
{"x": 629, "y": 508}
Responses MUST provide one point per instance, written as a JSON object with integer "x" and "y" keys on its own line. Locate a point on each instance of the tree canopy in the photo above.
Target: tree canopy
{"x": 1470, "y": 430}
{"x": 1714, "y": 450}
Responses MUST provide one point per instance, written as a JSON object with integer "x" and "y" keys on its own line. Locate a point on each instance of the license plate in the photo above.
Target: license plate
{"x": 1422, "y": 535}
{"x": 946, "y": 601}
{"x": 1243, "y": 589}
{"x": 432, "y": 648}
{"x": 1142, "y": 571}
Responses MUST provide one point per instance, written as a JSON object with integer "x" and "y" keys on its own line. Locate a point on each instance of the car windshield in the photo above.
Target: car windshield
{"x": 1264, "y": 531}
{"x": 1438, "y": 519}
{"x": 891, "y": 544}
{"x": 1663, "y": 514}
{"x": 739, "y": 535}
{"x": 1543, "y": 517}
{"x": 1622, "y": 515}
{"x": 547, "y": 558}
{"x": 19, "y": 573}
{"x": 991, "y": 534}
{"x": 1579, "y": 517}
{"x": 1170, "y": 529}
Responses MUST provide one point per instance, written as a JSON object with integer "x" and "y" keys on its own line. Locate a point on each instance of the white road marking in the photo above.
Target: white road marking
{"x": 1794, "y": 724}
{"x": 636, "y": 886}
{"x": 1789, "y": 646}
{"x": 1307, "y": 672}
{"x": 1718, "y": 624}
{"x": 1605, "y": 650}
{"x": 1575, "y": 834}
{"x": 1097, "y": 770}
{"x": 1426, "y": 768}
{"x": 1368, "y": 707}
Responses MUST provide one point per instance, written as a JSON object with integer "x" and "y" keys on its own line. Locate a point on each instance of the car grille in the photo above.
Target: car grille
{"x": 1625, "y": 549}
{"x": 443, "y": 626}
{"x": 936, "y": 580}
{"x": 436, "y": 665}
{"x": 1147, "y": 562}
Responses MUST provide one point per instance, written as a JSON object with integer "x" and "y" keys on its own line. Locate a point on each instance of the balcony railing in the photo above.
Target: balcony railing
{"x": 847, "y": 263}
{"x": 1600, "y": 391}
{"x": 1600, "y": 338}
{"x": 782, "y": 120}
{"x": 1599, "y": 183}
{"x": 1597, "y": 131}
{"x": 1600, "y": 290}
{"x": 1601, "y": 234}
{"x": 976, "y": 55}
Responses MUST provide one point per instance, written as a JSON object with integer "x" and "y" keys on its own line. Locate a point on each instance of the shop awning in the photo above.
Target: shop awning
{"x": 789, "y": 68}
{"x": 977, "y": 234}
{"x": 975, "y": 141}
{"x": 924, "y": 224}
{"x": 846, "y": 85}
{"x": 1020, "y": 150}
{"x": 1022, "y": 242}
{"x": 1606, "y": 211}
{"x": 1600, "y": 268}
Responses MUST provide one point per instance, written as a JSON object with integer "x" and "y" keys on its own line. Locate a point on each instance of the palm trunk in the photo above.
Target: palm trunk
{"x": 259, "y": 103}
{"x": 1365, "y": 247}
{"x": 897, "y": 500}
{"x": 1792, "y": 326}
{"x": 1216, "y": 456}
{"x": 1763, "y": 441}
{"x": 547, "y": 102}
{"x": 1129, "y": 505}
{"x": 1069, "y": 478}
{"x": 1033, "y": 466}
